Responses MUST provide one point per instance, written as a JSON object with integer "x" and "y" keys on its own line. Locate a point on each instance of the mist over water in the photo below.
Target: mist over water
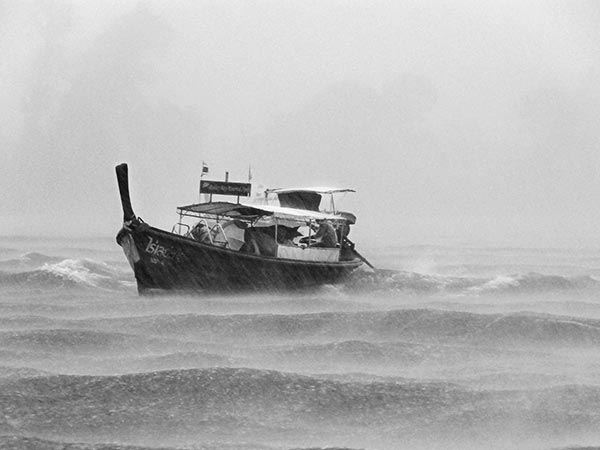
{"x": 448, "y": 347}
{"x": 467, "y": 120}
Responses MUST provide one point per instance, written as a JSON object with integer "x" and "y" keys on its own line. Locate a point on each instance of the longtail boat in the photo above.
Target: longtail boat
{"x": 285, "y": 241}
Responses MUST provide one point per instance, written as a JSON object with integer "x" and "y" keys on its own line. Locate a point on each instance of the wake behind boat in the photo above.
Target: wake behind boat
{"x": 286, "y": 242}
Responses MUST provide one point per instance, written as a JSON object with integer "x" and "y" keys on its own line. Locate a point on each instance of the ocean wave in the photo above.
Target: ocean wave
{"x": 576, "y": 448}
{"x": 238, "y": 391}
{"x": 537, "y": 283}
{"x": 411, "y": 325}
{"x": 7, "y": 372}
{"x": 28, "y": 262}
{"x": 391, "y": 281}
{"x": 179, "y": 360}
{"x": 39, "y": 270}
{"x": 27, "y": 322}
{"x": 68, "y": 273}
{"x": 238, "y": 403}
{"x": 36, "y": 279}
{"x": 70, "y": 341}
{"x": 388, "y": 357}
{"x": 87, "y": 272}
{"x": 17, "y": 442}
{"x": 338, "y": 355}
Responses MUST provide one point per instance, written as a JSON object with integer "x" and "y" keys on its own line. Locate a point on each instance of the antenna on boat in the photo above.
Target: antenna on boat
{"x": 123, "y": 181}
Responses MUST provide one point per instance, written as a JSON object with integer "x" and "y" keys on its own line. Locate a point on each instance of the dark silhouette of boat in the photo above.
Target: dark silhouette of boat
{"x": 232, "y": 246}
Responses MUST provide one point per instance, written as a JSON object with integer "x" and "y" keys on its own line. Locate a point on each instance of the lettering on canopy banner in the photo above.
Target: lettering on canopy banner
{"x": 225, "y": 188}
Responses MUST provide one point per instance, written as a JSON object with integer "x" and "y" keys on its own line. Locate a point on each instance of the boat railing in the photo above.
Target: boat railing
{"x": 179, "y": 226}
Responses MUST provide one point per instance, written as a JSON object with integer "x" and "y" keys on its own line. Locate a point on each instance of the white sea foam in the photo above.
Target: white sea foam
{"x": 85, "y": 272}
{"x": 74, "y": 270}
{"x": 497, "y": 283}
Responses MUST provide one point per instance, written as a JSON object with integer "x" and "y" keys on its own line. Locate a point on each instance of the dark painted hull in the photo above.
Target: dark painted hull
{"x": 167, "y": 261}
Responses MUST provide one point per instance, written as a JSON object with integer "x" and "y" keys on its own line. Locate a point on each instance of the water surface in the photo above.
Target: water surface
{"x": 448, "y": 347}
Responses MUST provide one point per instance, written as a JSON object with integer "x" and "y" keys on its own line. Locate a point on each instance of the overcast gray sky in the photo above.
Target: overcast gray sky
{"x": 474, "y": 120}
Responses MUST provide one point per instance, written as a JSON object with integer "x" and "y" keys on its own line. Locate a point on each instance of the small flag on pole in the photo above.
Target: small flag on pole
{"x": 204, "y": 169}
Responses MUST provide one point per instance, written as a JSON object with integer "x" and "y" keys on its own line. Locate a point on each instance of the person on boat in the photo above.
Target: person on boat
{"x": 326, "y": 236}
{"x": 342, "y": 232}
{"x": 200, "y": 233}
{"x": 260, "y": 241}
{"x": 286, "y": 235}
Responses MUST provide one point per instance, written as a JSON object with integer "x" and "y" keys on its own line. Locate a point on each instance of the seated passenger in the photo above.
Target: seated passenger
{"x": 326, "y": 236}
{"x": 342, "y": 232}
{"x": 200, "y": 233}
{"x": 286, "y": 235}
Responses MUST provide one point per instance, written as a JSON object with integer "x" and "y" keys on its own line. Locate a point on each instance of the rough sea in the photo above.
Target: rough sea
{"x": 446, "y": 347}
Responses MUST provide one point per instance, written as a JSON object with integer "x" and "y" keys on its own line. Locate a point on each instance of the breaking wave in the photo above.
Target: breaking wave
{"x": 52, "y": 272}
{"x": 416, "y": 283}
{"x": 36, "y": 270}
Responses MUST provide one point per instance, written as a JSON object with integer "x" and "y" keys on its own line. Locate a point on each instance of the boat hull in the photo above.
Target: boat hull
{"x": 168, "y": 261}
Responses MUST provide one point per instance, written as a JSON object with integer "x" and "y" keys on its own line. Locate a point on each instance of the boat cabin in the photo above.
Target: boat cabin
{"x": 297, "y": 224}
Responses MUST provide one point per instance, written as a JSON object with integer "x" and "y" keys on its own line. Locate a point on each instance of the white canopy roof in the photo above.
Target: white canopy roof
{"x": 317, "y": 190}
{"x": 295, "y": 214}
{"x": 265, "y": 212}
